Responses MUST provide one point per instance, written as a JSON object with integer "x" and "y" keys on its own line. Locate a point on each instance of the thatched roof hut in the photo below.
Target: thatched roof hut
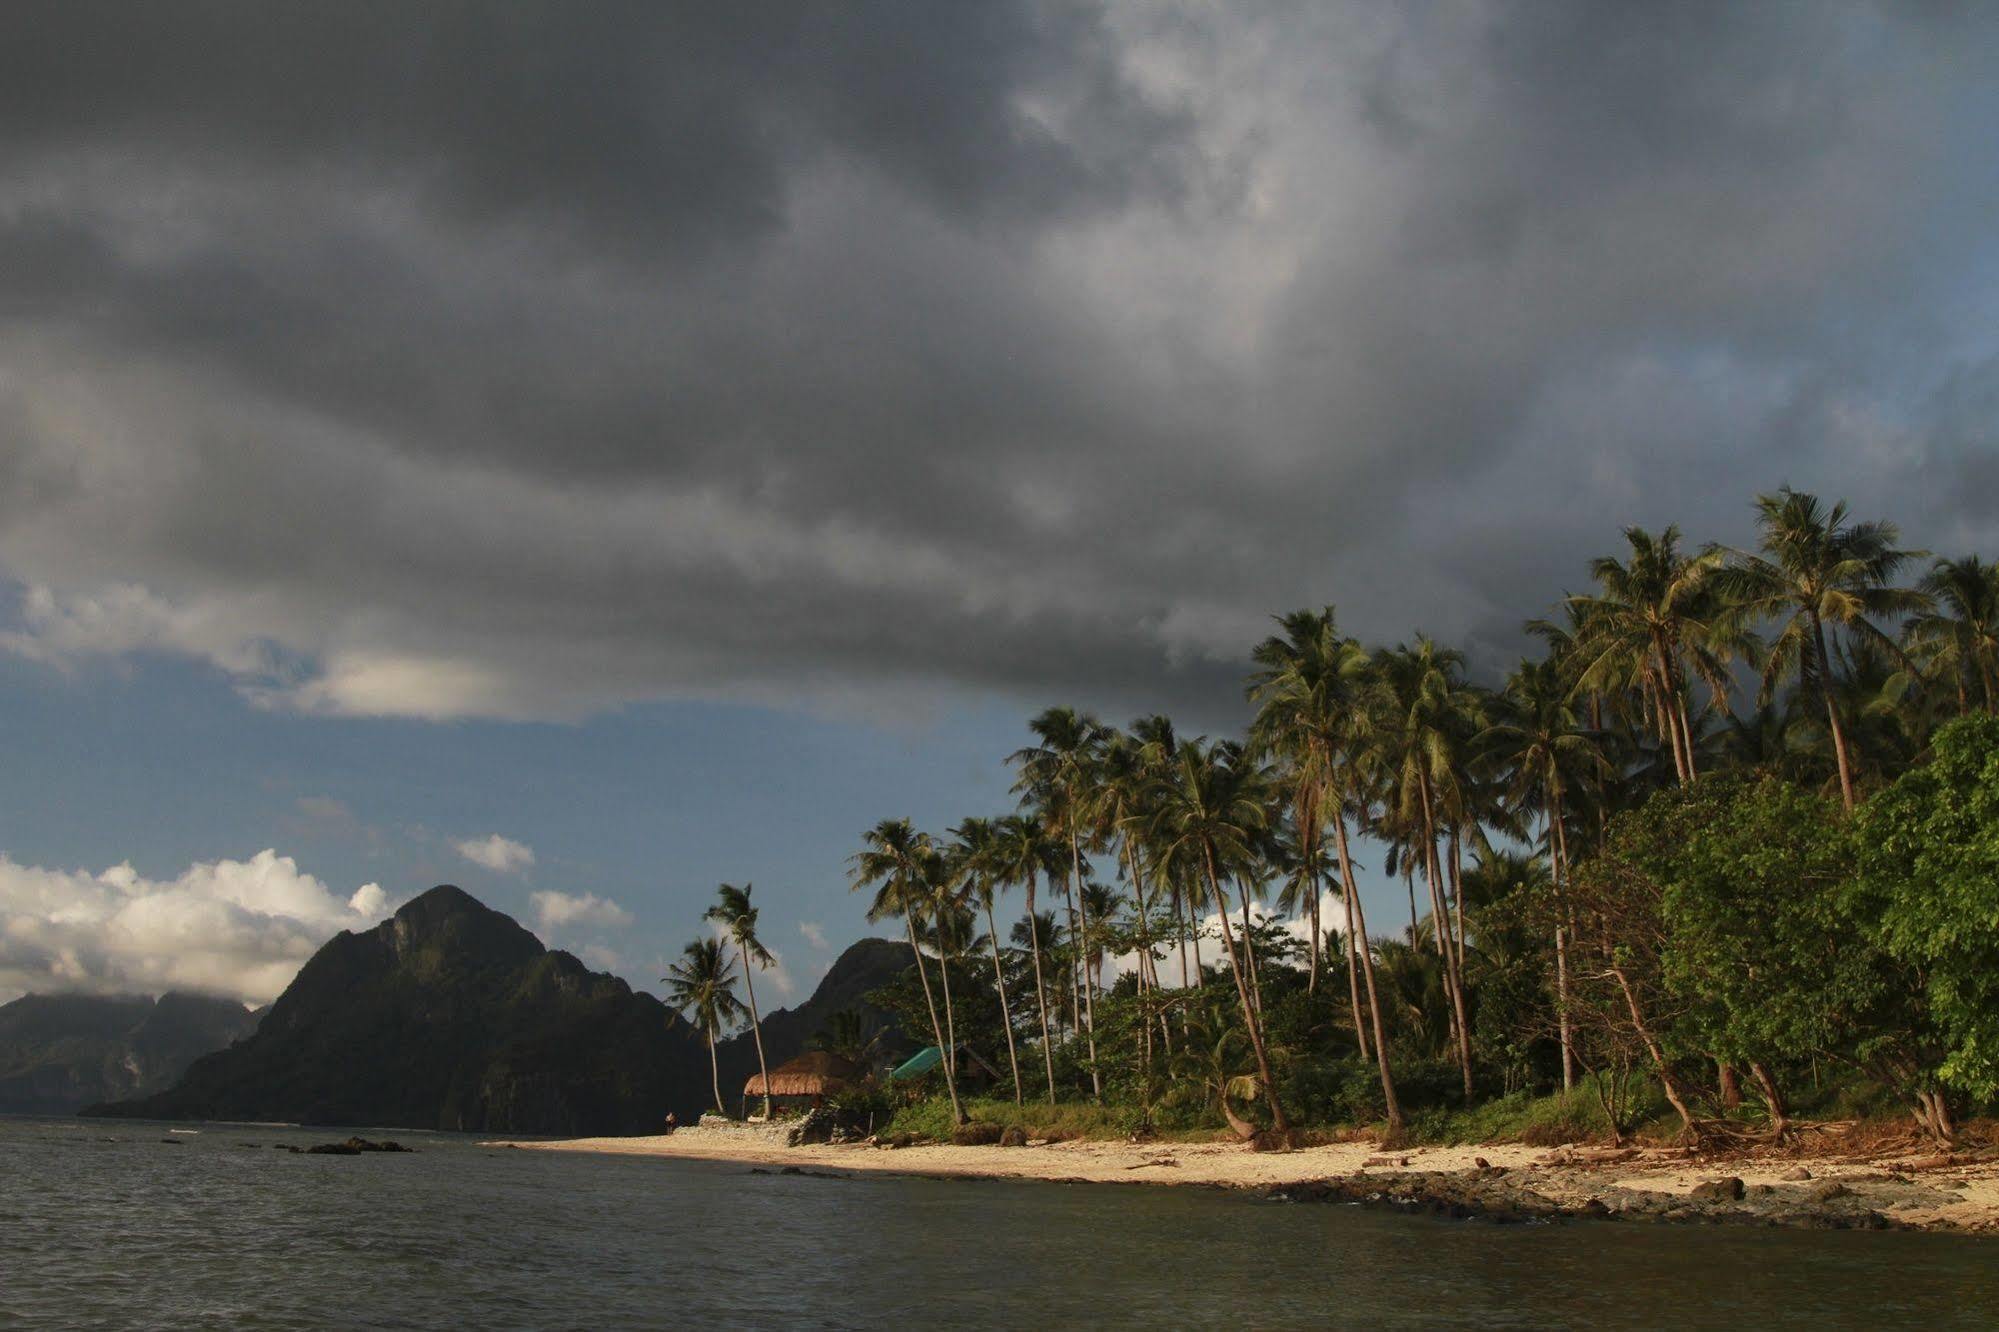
{"x": 814, "y": 1073}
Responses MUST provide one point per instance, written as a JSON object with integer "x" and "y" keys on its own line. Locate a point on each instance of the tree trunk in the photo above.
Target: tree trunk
{"x": 936, "y": 1029}
{"x": 1730, "y": 1087}
{"x": 1251, "y": 1021}
{"x": 1558, "y": 870}
{"x": 1083, "y": 951}
{"x": 1006, "y": 1017}
{"x": 1453, "y": 982}
{"x": 1667, "y": 1080}
{"x": 715, "y": 1076}
{"x": 1040, "y": 989}
{"x": 1832, "y": 714}
{"x": 1357, "y": 921}
{"x": 1773, "y": 1100}
{"x": 756, "y": 1025}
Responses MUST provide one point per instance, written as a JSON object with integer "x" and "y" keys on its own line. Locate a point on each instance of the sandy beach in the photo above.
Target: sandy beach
{"x": 1907, "y": 1187}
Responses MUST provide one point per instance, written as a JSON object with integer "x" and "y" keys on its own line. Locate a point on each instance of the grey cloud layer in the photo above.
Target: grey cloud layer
{"x": 413, "y": 360}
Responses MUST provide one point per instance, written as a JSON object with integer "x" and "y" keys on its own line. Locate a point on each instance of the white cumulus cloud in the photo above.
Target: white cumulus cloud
{"x": 500, "y": 854}
{"x": 240, "y": 928}
{"x": 813, "y": 932}
{"x": 556, "y": 911}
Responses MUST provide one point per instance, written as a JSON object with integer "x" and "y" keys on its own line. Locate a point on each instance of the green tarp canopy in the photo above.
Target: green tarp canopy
{"x": 918, "y": 1064}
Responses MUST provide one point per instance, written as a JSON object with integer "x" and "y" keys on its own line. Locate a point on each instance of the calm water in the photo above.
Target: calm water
{"x": 103, "y": 1224}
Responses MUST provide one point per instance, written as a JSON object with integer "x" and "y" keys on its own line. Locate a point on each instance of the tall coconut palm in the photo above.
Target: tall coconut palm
{"x": 1657, "y": 613}
{"x": 702, "y": 987}
{"x": 1421, "y": 741}
{"x": 1211, "y": 819}
{"x": 978, "y": 861}
{"x": 738, "y": 919}
{"x": 1816, "y": 573}
{"x": 1538, "y": 739}
{"x": 1958, "y": 635}
{"x": 1057, "y": 776}
{"x": 1020, "y": 855}
{"x": 897, "y": 862}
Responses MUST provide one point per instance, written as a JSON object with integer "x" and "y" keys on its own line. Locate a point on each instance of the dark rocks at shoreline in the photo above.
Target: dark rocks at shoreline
{"x": 1486, "y": 1195}
{"x": 351, "y": 1147}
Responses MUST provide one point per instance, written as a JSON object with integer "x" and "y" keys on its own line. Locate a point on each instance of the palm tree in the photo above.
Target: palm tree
{"x": 897, "y": 862}
{"x": 978, "y": 858}
{"x": 1057, "y": 776}
{"x": 1959, "y": 636}
{"x": 1213, "y": 820}
{"x": 738, "y": 919}
{"x": 1420, "y": 743}
{"x": 702, "y": 985}
{"x": 1546, "y": 751}
{"x": 1020, "y": 854}
{"x": 1817, "y": 570}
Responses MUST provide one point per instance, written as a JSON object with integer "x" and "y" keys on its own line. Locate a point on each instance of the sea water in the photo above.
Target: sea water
{"x": 121, "y": 1224}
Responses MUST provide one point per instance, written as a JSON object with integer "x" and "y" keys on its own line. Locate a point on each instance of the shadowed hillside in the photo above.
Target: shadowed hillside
{"x": 59, "y": 1052}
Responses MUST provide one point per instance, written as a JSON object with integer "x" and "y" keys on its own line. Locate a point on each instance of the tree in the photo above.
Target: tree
{"x": 1057, "y": 775}
{"x": 1212, "y": 819}
{"x": 1656, "y": 613}
{"x": 1538, "y": 738}
{"x": 1957, "y": 636}
{"x": 702, "y": 985}
{"x": 978, "y": 860}
{"x": 1929, "y": 856}
{"x": 899, "y": 864}
{"x": 1420, "y": 742}
{"x": 1818, "y": 573}
{"x": 854, "y": 1036}
{"x": 1020, "y": 854}
{"x": 738, "y": 919}
{"x": 1315, "y": 690}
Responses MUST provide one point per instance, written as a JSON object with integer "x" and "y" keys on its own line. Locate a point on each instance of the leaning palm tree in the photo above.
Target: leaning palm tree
{"x": 1958, "y": 637}
{"x": 702, "y": 986}
{"x": 1818, "y": 572}
{"x": 897, "y": 862}
{"x": 977, "y": 859}
{"x": 738, "y": 919}
{"x": 1057, "y": 776}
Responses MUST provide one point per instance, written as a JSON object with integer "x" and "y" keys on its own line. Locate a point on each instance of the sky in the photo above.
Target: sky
{"x": 588, "y": 454}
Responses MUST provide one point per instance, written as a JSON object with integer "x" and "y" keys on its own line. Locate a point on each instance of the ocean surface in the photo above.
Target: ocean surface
{"x": 119, "y": 1224}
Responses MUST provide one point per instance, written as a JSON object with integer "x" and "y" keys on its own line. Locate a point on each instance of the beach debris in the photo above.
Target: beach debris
{"x": 976, "y": 1135}
{"x": 1729, "y": 1189}
{"x": 1015, "y": 1136}
{"x": 1393, "y": 1161}
{"x": 1154, "y": 1161}
{"x": 1795, "y": 1176}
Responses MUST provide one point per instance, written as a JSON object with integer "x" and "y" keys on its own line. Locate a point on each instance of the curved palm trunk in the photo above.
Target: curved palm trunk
{"x": 1251, "y": 1018}
{"x": 756, "y": 1024}
{"x": 1040, "y": 988}
{"x": 936, "y": 1029}
{"x": 1832, "y": 714}
{"x": 1083, "y": 946}
{"x": 1144, "y": 962}
{"x": 715, "y": 1075}
{"x": 1453, "y": 981}
{"x": 950, "y": 1022}
{"x": 1006, "y": 1017}
{"x": 1357, "y": 920}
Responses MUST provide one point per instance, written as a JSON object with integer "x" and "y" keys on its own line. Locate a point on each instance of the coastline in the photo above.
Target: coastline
{"x": 1503, "y": 1181}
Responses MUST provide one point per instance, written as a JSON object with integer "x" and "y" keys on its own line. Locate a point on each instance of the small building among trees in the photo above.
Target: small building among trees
{"x": 804, "y": 1083}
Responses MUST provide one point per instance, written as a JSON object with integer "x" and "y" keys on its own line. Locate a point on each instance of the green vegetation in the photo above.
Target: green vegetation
{"x": 1728, "y": 847}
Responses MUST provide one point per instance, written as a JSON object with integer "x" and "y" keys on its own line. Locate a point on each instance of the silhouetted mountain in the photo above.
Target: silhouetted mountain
{"x": 59, "y": 1052}
{"x": 451, "y": 1016}
{"x": 868, "y": 964}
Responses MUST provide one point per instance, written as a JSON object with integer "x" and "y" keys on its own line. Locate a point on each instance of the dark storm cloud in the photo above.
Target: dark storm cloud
{"x": 454, "y": 359}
